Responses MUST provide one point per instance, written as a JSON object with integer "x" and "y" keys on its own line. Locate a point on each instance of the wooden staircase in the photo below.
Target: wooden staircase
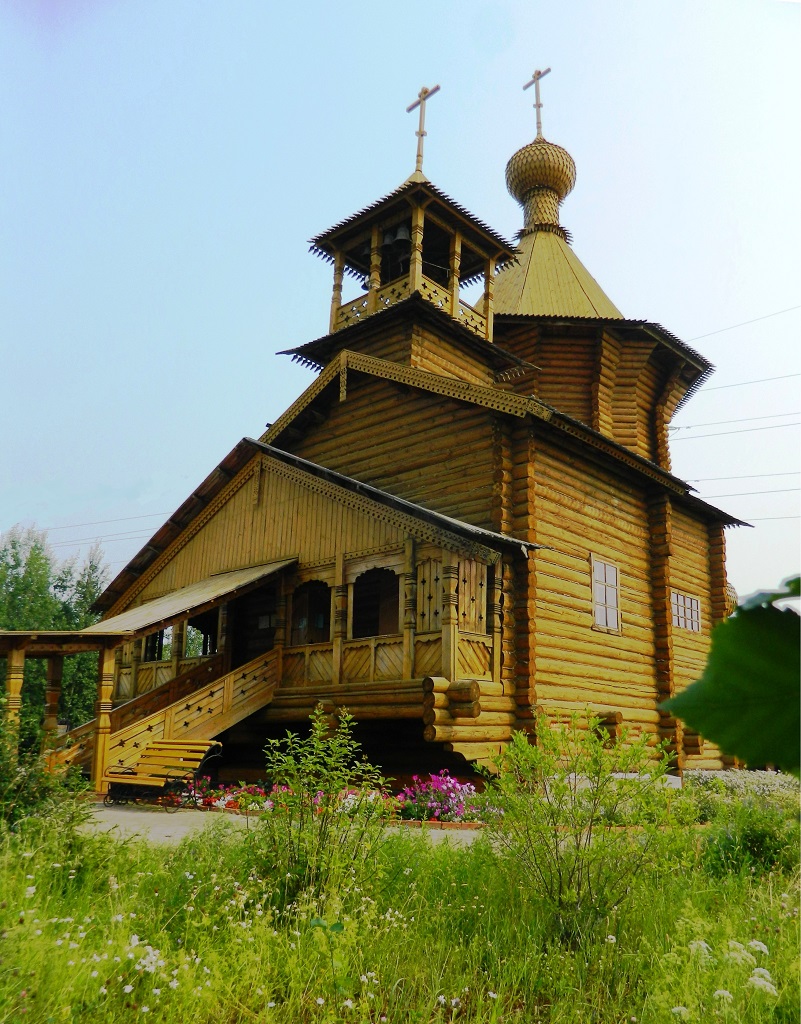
{"x": 202, "y": 710}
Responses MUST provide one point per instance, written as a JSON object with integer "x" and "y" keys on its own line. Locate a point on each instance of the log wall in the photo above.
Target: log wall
{"x": 691, "y": 573}
{"x": 583, "y": 510}
{"x": 422, "y": 447}
{"x": 433, "y": 353}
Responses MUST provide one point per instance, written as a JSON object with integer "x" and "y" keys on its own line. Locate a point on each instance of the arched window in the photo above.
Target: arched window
{"x": 375, "y": 603}
{"x": 311, "y": 614}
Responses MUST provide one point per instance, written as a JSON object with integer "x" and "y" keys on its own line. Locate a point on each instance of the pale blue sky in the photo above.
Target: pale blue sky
{"x": 162, "y": 166}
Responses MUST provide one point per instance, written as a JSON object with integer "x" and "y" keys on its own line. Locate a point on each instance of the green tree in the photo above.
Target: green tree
{"x": 39, "y": 591}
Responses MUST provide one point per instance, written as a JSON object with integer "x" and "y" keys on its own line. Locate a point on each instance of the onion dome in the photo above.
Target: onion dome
{"x": 539, "y": 176}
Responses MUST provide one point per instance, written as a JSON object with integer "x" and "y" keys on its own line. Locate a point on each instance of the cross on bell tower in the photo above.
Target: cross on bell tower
{"x": 424, "y": 94}
{"x": 535, "y": 81}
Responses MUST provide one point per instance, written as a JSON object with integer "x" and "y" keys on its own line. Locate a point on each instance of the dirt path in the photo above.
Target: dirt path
{"x": 157, "y": 826}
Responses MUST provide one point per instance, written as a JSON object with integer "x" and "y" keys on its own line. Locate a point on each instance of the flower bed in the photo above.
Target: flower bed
{"x": 438, "y": 800}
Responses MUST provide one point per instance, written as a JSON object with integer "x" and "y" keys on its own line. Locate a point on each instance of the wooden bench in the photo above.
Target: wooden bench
{"x": 167, "y": 770}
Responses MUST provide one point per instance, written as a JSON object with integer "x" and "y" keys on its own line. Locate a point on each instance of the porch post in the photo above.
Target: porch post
{"x": 450, "y": 614}
{"x": 409, "y": 607}
{"x": 178, "y": 646}
{"x": 15, "y": 671}
{"x": 55, "y": 673}
{"x": 103, "y": 708}
{"x": 340, "y": 618}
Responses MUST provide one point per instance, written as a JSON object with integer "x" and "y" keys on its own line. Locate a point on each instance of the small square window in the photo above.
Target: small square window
{"x": 686, "y": 611}
{"x": 605, "y": 595}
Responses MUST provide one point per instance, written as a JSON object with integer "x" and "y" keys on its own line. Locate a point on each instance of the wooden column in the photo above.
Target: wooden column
{"x": 374, "y": 280}
{"x": 136, "y": 661}
{"x": 178, "y": 646}
{"x": 340, "y": 631}
{"x": 494, "y": 613}
{"x": 450, "y": 615}
{"x": 103, "y": 708}
{"x": 409, "y": 607}
{"x": 454, "y": 269}
{"x": 489, "y": 286}
{"x": 416, "y": 254}
{"x": 55, "y": 673}
{"x": 336, "y": 297}
{"x": 15, "y": 671}
{"x": 222, "y": 638}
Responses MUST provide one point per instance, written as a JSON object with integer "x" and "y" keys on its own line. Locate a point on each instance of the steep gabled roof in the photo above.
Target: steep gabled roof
{"x": 239, "y": 457}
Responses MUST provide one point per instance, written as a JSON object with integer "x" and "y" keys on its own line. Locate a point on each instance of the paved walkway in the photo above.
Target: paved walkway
{"x": 157, "y": 826}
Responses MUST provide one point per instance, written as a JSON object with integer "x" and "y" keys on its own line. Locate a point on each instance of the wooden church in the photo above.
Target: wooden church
{"x": 467, "y": 519}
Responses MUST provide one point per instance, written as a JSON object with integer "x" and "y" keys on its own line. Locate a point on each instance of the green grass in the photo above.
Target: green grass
{"x": 101, "y": 930}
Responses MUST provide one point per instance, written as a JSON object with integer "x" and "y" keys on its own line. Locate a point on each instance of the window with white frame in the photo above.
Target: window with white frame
{"x": 686, "y": 611}
{"x": 605, "y": 595}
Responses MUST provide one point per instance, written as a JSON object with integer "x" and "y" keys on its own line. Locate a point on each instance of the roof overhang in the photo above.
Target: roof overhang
{"x": 145, "y": 618}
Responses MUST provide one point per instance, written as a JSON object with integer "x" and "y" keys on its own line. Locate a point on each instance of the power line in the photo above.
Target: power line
{"x": 765, "y": 519}
{"x": 101, "y": 537}
{"x": 762, "y": 380}
{"x": 756, "y": 319}
{"x": 103, "y": 522}
{"x": 746, "y": 476}
{"x": 725, "y": 433}
{"x": 742, "y": 494}
{"x": 742, "y": 419}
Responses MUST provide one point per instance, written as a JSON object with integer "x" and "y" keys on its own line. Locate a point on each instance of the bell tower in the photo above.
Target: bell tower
{"x": 414, "y": 241}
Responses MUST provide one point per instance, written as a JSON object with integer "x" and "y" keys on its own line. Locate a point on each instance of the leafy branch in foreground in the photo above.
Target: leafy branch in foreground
{"x": 747, "y": 700}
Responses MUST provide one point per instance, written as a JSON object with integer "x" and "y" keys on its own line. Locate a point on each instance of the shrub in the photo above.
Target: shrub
{"x": 562, "y": 801}
{"x": 313, "y": 841}
{"x": 753, "y": 837}
{"x": 27, "y": 787}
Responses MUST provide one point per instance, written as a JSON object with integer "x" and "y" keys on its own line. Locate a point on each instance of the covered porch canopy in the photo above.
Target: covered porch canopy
{"x": 105, "y": 636}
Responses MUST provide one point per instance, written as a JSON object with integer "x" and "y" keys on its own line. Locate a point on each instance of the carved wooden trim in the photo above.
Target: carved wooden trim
{"x": 477, "y": 394}
{"x": 402, "y": 521}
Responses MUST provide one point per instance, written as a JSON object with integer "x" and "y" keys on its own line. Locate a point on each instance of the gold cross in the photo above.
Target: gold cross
{"x": 420, "y": 102}
{"x": 535, "y": 81}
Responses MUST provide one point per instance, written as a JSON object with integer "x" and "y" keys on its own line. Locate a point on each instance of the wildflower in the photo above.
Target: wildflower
{"x": 492, "y": 995}
{"x": 271, "y": 1004}
{"x": 441, "y": 1000}
{"x": 156, "y": 991}
{"x": 762, "y": 984}
{"x": 761, "y": 972}
{"x": 702, "y": 948}
{"x": 30, "y": 892}
{"x": 348, "y": 1003}
{"x": 740, "y": 956}
{"x": 93, "y": 974}
{"x": 456, "y": 1003}
{"x": 128, "y": 989}
{"x": 103, "y": 990}
{"x": 760, "y": 947}
{"x": 681, "y": 1011}
{"x": 145, "y": 1009}
{"x": 319, "y": 1000}
{"x": 723, "y": 994}
{"x": 134, "y": 940}
{"x": 611, "y": 940}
